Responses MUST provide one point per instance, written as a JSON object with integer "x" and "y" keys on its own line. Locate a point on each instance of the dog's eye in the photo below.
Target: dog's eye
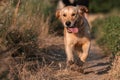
{"x": 64, "y": 15}
{"x": 73, "y": 14}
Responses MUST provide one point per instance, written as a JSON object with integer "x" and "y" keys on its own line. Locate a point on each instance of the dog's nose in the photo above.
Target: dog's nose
{"x": 68, "y": 23}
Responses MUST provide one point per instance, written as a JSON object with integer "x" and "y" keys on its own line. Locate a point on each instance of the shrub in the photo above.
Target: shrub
{"x": 24, "y": 23}
{"x": 107, "y": 33}
{"x": 103, "y": 5}
{"x": 23, "y": 28}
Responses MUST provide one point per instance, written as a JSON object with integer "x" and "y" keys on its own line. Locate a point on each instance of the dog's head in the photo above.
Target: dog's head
{"x": 69, "y": 15}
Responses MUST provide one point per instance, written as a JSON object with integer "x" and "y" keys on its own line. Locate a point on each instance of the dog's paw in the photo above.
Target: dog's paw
{"x": 79, "y": 63}
{"x": 69, "y": 63}
{"x": 77, "y": 68}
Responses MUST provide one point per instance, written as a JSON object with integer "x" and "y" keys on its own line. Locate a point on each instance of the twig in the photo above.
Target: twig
{"x": 15, "y": 15}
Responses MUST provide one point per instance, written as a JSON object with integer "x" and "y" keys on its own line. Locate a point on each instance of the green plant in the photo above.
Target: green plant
{"x": 107, "y": 33}
{"x": 103, "y": 5}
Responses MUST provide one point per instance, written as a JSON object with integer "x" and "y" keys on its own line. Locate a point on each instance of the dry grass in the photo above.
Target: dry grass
{"x": 26, "y": 47}
{"x": 114, "y": 73}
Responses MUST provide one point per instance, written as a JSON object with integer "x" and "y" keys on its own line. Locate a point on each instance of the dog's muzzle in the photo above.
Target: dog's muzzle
{"x": 68, "y": 23}
{"x": 70, "y": 28}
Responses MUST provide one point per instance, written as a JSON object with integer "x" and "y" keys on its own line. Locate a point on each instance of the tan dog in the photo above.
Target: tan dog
{"x": 76, "y": 32}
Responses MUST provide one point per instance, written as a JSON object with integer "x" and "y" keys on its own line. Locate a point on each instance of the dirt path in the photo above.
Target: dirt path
{"x": 53, "y": 62}
{"x": 96, "y": 67}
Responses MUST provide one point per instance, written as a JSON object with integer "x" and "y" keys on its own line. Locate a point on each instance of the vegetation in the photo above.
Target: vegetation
{"x": 107, "y": 33}
{"x": 114, "y": 73}
{"x": 24, "y": 22}
{"x": 24, "y": 27}
{"x": 103, "y": 5}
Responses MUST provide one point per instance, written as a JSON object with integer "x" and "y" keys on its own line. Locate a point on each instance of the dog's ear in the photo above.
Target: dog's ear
{"x": 82, "y": 9}
{"x": 57, "y": 13}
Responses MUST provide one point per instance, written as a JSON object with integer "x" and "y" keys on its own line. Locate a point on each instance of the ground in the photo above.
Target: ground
{"x": 96, "y": 67}
{"x": 51, "y": 65}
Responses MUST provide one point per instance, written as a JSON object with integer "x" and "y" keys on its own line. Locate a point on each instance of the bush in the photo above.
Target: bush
{"x": 23, "y": 30}
{"x": 107, "y": 33}
{"x": 103, "y": 5}
{"x": 24, "y": 23}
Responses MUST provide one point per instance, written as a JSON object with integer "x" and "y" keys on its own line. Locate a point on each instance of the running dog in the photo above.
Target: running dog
{"x": 76, "y": 32}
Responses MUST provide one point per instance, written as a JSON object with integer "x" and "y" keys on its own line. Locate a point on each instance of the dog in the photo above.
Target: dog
{"x": 76, "y": 32}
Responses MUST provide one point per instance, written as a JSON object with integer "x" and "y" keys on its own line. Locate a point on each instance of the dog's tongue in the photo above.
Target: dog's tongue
{"x": 73, "y": 30}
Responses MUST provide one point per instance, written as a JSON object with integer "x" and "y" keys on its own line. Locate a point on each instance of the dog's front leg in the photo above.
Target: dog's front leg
{"x": 69, "y": 54}
{"x": 85, "y": 49}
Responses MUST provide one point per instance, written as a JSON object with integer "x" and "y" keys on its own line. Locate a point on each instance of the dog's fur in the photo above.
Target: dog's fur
{"x": 76, "y": 32}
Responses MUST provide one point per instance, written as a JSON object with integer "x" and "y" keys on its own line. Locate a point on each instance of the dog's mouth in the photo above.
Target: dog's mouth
{"x": 72, "y": 29}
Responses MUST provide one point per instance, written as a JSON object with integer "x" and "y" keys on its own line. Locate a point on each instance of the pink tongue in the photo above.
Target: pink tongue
{"x": 73, "y": 30}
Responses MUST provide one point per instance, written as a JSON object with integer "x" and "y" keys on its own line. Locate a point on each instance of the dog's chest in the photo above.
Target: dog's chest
{"x": 75, "y": 39}
{"x": 71, "y": 38}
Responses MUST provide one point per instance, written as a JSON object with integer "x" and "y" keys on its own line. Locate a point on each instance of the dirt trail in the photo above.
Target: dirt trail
{"x": 95, "y": 68}
{"x": 54, "y": 58}
{"x": 53, "y": 55}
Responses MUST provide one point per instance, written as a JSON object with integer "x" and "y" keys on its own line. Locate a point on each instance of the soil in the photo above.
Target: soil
{"x": 95, "y": 68}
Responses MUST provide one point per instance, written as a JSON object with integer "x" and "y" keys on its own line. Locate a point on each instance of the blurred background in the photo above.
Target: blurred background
{"x": 29, "y": 29}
